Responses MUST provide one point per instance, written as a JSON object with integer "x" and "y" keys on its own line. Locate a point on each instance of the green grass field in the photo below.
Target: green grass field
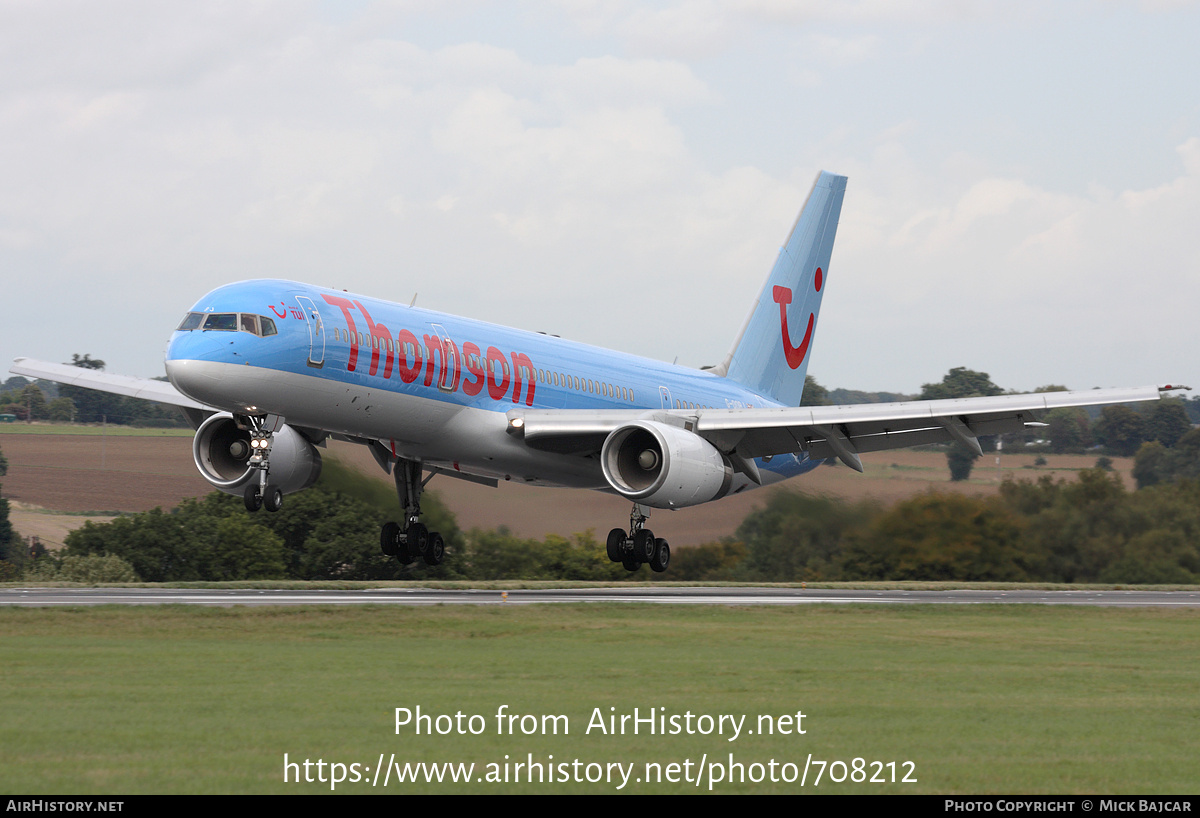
{"x": 982, "y": 699}
{"x": 112, "y": 430}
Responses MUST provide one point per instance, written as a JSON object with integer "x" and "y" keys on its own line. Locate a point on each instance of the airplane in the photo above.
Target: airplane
{"x": 267, "y": 371}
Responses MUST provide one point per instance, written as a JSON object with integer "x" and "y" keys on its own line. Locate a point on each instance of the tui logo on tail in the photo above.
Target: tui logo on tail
{"x": 783, "y": 297}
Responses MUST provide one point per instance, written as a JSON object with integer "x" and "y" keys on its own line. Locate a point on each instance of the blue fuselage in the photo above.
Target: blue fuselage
{"x": 429, "y": 385}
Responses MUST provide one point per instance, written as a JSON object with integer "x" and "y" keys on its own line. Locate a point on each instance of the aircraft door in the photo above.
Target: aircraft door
{"x": 316, "y": 332}
{"x": 450, "y": 372}
{"x": 664, "y": 395}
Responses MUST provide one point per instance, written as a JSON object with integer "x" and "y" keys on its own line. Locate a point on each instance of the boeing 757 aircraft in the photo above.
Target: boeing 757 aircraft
{"x": 267, "y": 371}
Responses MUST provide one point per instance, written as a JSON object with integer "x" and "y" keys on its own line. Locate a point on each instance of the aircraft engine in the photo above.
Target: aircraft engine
{"x": 664, "y": 466}
{"x": 221, "y": 451}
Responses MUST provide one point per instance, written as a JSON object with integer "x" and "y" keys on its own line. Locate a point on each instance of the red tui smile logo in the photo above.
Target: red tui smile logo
{"x": 783, "y": 297}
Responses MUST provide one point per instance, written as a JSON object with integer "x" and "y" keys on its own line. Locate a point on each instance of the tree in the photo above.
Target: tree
{"x": 86, "y": 361}
{"x": 14, "y": 384}
{"x": 1068, "y": 430}
{"x": 1167, "y": 421}
{"x": 11, "y": 547}
{"x": 1192, "y": 407}
{"x": 938, "y": 536}
{"x": 961, "y": 459}
{"x": 710, "y": 562}
{"x": 814, "y": 393}
{"x": 1152, "y": 465}
{"x": 34, "y": 400}
{"x": 12, "y": 551}
{"x": 243, "y": 550}
{"x": 1156, "y": 464}
{"x": 88, "y": 568}
{"x": 92, "y": 406}
{"x": 1120, "y": 429}
{"x": 961, "y": 382}
{"x": 798, "y": 537}
{"x": 61, "y": 409}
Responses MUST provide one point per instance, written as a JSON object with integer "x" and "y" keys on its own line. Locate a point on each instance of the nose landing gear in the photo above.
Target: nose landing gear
{"x": 639, "y": 545}
{"x": 259, "y": 493}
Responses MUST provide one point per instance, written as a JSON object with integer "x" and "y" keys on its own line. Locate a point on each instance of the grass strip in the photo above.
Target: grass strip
{"x": 989, "y": 698}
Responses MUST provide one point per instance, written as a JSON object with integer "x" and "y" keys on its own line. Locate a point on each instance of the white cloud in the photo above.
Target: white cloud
{"x": 634, "y": 201}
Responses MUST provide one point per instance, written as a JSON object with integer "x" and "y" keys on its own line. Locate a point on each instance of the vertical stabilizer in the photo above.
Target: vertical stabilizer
{"x": 771, "y": 354}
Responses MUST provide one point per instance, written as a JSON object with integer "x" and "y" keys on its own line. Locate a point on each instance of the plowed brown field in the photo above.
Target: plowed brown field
{"x": 77, "y": 473}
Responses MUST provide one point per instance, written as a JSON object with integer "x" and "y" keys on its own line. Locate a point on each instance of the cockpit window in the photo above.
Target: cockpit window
{"x": 228, "y": 322}
{"x": 191, "y": 320}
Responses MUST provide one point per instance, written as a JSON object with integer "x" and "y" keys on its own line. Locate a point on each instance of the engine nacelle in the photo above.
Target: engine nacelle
{"x": 222, "y": 450}
{"x": 664, "y": 466}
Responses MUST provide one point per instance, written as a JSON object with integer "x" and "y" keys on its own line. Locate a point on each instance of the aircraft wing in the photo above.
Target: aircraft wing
{"x": 144, "y": 388}
{"x": 822, "y": 431}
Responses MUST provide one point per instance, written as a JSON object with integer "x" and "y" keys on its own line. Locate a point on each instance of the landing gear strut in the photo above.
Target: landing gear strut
{"x": 639, "y": 545}
{"x": 414, "y": 539}
{"x": 259, "y": 493}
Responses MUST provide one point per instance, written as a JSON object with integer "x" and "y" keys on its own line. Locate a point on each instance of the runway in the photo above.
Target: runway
{"x": 47, "y": 597}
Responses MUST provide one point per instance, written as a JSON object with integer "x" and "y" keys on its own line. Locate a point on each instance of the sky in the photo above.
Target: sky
{"x": 1023, "y": 195}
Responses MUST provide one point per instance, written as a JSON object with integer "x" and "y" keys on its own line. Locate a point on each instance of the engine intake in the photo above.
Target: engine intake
{"x": 221, "y": 451}
{"x": 663, "y": 466}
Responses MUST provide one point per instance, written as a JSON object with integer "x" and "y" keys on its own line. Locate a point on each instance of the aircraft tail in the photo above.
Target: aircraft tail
{"x": 772, "y": 351}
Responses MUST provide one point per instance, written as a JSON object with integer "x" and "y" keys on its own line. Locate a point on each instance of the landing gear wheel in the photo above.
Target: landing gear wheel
{"x": 389, "y": 539}
{"x": 273, "y": 499}
{"x": 662, "y": 556}
{"x": 643, "y": 545}
{"x": 418, "y": 539}
{"x": 616, "y": 545}
{"x": 436, "y": 551}
{"x": 631, "y": 565}
{"x": 252, "y": 497}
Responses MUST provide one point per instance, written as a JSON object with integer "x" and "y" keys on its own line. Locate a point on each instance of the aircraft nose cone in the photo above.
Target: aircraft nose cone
{"x": 190, "y": 378}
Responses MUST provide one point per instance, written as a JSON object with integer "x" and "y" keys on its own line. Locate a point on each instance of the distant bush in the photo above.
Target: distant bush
{"x": 86, "y": 568}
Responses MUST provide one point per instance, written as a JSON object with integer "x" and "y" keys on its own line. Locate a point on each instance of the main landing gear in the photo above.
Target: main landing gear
{"x": 414, "y": 540}
{"x": 639, "y": 545}
{"x": 259, "y": 493}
